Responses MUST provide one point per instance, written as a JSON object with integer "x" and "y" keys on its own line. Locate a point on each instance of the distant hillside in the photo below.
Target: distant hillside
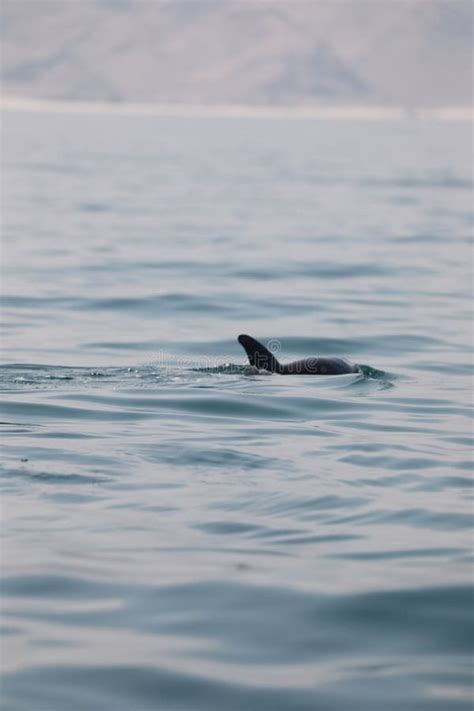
{"x": 327, "y": 52}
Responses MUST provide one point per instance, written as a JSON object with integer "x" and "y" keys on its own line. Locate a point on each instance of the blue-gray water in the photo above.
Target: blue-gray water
{"x": 179, "y": 538}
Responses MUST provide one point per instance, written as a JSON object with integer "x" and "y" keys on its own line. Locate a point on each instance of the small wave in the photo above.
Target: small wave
{"x": 230, "y": 368}
{"x": 51, "y": 478}
{"x": 374, "y": 374}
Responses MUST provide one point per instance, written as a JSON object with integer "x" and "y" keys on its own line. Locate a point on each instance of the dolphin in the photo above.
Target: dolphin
{"x": 261, "y": 358}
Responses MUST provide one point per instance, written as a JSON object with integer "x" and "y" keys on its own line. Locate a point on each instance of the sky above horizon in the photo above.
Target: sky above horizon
{"x": 411, "y": 53}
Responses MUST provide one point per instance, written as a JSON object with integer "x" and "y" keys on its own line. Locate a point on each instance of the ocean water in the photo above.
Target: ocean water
{"x": 180, "y": 532}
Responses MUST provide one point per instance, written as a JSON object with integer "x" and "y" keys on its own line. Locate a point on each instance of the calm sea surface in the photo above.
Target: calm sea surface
{"x": 179, "y": 532}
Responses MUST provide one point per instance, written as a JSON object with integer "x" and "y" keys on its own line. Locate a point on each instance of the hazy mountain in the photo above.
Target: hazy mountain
{"x": 404, "y": 52}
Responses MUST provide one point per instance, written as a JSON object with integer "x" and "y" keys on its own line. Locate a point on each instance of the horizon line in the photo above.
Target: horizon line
{"x": 197, "y": 110}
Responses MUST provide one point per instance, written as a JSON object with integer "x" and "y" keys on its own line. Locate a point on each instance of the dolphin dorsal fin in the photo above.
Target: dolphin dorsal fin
{"x": 258, "y": 355}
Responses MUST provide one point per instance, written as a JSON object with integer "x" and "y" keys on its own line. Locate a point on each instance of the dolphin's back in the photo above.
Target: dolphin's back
{"x": 318, "y": 366}
{"x": 261, "y": 358}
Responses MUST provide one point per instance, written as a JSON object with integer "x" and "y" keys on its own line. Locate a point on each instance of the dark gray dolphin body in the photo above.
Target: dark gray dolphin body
{"x": 261, "y": 358}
